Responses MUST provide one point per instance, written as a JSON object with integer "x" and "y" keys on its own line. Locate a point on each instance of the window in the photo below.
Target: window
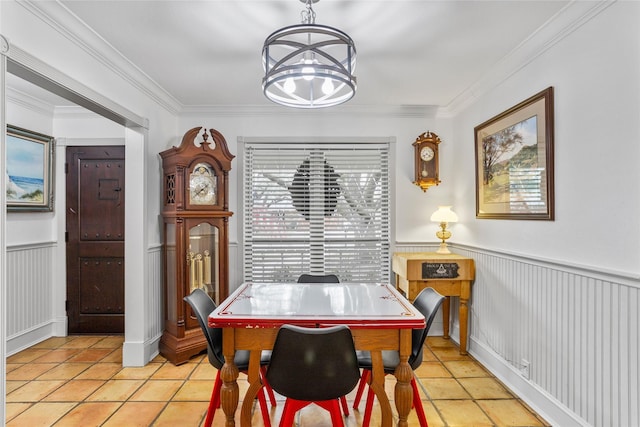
{"x": 316, "y": 208}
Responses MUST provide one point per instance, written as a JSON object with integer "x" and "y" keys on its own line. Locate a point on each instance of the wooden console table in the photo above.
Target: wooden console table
{"x": 449, "y": 274}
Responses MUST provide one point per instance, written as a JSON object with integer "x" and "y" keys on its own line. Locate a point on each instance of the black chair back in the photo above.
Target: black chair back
{"x": 427, "y": 302}
{"x": 313, "y": 364}
{"x": 311, "y": 278}
{"x": 202, "y": 305}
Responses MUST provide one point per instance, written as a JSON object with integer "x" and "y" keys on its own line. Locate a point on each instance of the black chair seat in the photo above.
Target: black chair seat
{"x": 390, "y": 361}
{"x": 241, "y": 359}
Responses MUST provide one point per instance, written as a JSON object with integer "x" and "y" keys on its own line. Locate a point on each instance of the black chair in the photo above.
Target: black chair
{"x": 427, "y": 302}
{"x": 313, "y": 365}
{"x": 327, "y": 278}
{"x": 202, "y": 305}
{"x": 312, "y": 278}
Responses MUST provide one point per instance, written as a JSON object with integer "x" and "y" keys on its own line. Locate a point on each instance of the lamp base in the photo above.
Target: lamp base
{"x": 443, "y": 249}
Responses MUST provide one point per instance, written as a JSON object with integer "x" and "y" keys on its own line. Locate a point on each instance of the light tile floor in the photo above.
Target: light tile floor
{"x": 79, "y": 381}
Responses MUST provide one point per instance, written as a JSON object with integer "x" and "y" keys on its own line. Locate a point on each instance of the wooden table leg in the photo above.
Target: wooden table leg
{"x": 446, "y": 304}
{"x": 377, "y": 385}
{"x": 463, "y": 314}
{"x": 255, "y": 383}
{"x": 229, "y": 393}
{"x": 403, "y": 392}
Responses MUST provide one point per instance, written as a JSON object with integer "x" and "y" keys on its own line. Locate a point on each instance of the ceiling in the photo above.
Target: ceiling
{"x": 410, "y": 52}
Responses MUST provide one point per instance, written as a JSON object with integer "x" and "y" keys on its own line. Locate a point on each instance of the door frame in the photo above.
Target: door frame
{"x": 136, "y": 351}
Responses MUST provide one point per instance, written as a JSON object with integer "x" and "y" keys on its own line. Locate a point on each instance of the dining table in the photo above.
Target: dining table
{"x": 379, "y": 317}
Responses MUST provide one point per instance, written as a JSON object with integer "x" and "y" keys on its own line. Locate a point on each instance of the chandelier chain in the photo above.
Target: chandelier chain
{"x": 308, "y": 15}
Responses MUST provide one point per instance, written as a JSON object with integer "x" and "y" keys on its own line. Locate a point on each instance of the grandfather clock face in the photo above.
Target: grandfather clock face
{"x": 203, "y": 185}
{"x": 426, "y": 160}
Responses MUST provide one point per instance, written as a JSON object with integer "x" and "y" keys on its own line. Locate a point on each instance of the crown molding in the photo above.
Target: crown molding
{"x": 562, "y": 24}
{"x": 29, "y": 102}
{"x": 58, "y": 17}
{"x": 349, "y": 110}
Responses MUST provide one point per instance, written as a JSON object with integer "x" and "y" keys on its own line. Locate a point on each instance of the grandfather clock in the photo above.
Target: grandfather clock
{"x": 195, "y": 235}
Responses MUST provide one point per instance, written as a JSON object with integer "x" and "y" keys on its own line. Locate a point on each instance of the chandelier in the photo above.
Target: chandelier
{"x": 309, "y": 65}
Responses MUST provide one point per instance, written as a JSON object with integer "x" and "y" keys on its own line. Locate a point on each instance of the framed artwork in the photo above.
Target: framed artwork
{"x": 29, "y": 169}
{"x": 514, "y": 162}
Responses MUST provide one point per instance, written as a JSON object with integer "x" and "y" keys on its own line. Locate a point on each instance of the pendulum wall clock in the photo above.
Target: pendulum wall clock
{"x": 426, "y": 160}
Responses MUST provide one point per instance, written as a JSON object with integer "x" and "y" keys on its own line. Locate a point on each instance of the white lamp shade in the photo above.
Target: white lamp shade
{"x": 444, "y": 214}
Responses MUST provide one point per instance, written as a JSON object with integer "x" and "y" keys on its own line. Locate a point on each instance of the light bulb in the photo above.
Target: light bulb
{"x": 289, "y": 85}
{"x": 327, "y": 86}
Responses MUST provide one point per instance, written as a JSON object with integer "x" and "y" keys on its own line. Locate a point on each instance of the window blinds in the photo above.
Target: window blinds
{"x": 316, "y": 208}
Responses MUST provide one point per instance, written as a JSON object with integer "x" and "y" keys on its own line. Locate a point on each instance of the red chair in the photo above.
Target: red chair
{"x": 313, "y": 366}
{"x": 202, "y": 305}
{"x": 427, "y": 302}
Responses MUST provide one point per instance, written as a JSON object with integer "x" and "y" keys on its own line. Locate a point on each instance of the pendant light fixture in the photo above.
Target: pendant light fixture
{"x": 309, "y": 65}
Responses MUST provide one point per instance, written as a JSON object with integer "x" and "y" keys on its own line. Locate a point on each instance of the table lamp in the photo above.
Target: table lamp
{"x": 444, "y": 215}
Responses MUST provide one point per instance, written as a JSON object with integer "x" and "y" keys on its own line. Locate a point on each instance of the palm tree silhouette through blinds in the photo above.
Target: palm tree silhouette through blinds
{"x": 300, "y": 189}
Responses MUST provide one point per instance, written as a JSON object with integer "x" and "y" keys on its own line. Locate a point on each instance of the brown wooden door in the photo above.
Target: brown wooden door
{"x": 95, "y": 239}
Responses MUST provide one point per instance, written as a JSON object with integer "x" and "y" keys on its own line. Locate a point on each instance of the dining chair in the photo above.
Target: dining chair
{"x": 427, "y": 302}
{"x": 313, "y": 278}
{"x": 313, "y": 365}
{"x": 202, "y": 305}
{"x": 326, "y": 278}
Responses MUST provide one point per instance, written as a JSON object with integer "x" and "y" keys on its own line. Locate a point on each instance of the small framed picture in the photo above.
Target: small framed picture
{"x": 29, "y": 169}
{"x": 514, "y": 162}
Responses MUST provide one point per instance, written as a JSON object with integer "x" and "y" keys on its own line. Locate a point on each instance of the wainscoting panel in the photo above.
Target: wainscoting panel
{"x": 568, "y": 336}
{"x": 155, "y": 296}
{"x": 29, "y": 294}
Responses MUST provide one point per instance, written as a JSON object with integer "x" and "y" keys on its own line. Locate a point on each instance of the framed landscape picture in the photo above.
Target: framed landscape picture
{"x": 514, "y": 162}
{"x": 29, "y": 169}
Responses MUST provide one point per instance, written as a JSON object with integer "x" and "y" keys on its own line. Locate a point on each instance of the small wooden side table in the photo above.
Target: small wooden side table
{"x": 449, "y": 274}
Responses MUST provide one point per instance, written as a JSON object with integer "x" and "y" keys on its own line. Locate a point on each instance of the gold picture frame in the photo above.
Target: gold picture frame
{"x": 514, "y": 161}
{"x": 29, "y": 170}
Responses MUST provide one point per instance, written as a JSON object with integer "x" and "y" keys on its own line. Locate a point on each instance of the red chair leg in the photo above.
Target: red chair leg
{"x": 368, "y": 408}
{"x": 263, "y": 408}
{"x": 363, "y": 382}
{"x": 334, "y": 409}
{"x": 345, "y": 406}
{"x": 291, "y": 406}
{"x": 214, "y": 402}
{"x": 417, "y": 404}
{"x": 267, "y": 387}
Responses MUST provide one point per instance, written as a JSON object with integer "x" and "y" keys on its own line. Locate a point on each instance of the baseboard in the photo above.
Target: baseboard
{"x": 540, "y": 401}
{"x": 29, "y": 337}
{"x": 138, "y": 354}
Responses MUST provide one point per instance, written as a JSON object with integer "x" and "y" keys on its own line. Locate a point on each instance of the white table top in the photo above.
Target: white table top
{"x": 358, "y": 305}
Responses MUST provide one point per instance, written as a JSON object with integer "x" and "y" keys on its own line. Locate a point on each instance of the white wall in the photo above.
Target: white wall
{"x": 29, "y": 227}
{"x": 595, "y": 73}
{"x": 564, "y": 294}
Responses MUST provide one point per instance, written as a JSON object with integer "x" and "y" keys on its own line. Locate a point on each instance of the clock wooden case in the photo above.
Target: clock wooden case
{"x": 195, "y": 235}
{"x": 426, "y": 160}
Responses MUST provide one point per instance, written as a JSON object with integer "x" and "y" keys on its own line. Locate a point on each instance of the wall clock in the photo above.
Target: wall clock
{"x": 426, "y": 160}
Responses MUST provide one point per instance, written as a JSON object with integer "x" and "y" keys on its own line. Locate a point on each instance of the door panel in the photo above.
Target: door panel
{"x": 95, "y": 244}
